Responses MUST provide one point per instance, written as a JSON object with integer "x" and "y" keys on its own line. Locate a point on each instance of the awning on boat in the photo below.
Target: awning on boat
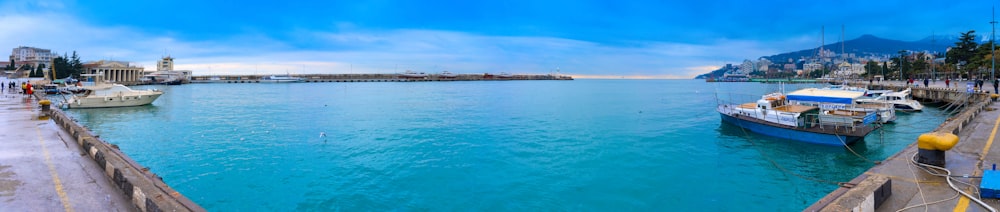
{"x": 824, "y": 95}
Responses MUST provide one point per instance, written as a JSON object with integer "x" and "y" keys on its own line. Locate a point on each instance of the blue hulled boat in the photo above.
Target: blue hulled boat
{"x": 772, "y": 115}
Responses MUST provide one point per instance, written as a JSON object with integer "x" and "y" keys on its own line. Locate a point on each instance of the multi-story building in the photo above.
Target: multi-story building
{"x": 31, "y": 55}
{"x": 763, "y": 64}
{"x": 165, "y": 67}
{"x": 812, "y": 66}
{"x": 789, "y": 67}
{"x": 114, "y": 71}
{"x": 746, "y": 67}
{"x": 165, "y": 64}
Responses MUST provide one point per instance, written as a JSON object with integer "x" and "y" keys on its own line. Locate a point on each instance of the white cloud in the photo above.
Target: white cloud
{"x": 360, "y": 51}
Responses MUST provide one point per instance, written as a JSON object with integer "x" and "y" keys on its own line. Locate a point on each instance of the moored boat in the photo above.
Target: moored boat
{"x": 842, "y": 99}
{"x": 412, "y": 74}
{"x": 446, "y": 74}
{"x": 111, "y": 95}
{"x": 771, "y": 115}
{"x": 900, "y": 100}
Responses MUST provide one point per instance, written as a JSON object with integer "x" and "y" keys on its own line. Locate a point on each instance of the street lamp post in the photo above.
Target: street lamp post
{"x": 993, "y": 45}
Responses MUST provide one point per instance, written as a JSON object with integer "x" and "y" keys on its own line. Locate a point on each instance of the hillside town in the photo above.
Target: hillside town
{"x": 971, "y": 61}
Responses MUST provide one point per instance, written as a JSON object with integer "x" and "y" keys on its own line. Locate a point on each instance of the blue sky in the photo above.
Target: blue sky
{"x": 636, "y": 39}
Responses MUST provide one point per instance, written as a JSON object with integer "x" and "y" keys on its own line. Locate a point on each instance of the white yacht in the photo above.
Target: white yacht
{"x": 900, "y": 100}
{"x": 446, "y": 74}
{"x": 412, "y": 74}
{"x": 110, "y": 95}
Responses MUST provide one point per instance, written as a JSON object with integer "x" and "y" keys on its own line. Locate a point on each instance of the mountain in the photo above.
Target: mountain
{"x": 869, "y": 45}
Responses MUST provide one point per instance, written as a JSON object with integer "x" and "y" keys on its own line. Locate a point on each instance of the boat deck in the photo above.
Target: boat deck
{"x": 785, "y": 108}
{"x": 795, "y": 108}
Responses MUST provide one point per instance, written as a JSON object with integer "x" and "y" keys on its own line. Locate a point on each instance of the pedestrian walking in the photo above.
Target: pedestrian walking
{"x": 947, "y": 82}
{"x": 995, "y": 84}
{"x": 926, "y": 82}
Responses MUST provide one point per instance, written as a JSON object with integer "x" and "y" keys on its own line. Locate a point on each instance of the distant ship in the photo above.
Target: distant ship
{"x": 446, "y": 74}
{"x": 280, "y": 79}
{"x": 412, "y": 74}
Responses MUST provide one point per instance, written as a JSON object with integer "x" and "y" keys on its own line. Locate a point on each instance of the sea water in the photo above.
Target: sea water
{"x": 480, "y": 145}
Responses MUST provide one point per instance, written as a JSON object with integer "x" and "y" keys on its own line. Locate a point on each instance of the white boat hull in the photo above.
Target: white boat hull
{"x": 280, "y": 81}
{"x": 112, "y": 101}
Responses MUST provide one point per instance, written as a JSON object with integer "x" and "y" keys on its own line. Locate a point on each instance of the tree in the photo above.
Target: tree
{"x": 38, "y": 71}
{"x": 27, "y": 67}
{"x": 963, "y": 54}
{"x": 872, "y": 68}
{"x": 919, "y": 65}
{"x": 67, "y": 66}
{"x": 11, "y": 66}
{"x": 76, "y": 67}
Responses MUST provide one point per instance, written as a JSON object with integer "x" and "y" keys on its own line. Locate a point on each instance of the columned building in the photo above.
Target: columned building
{"x": 114, "y": 71}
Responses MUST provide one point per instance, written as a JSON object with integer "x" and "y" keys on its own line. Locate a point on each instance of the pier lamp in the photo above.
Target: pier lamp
{"x": 931, "y": 147}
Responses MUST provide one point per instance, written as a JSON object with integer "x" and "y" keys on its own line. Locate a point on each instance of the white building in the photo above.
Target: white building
{"x": 165, "y": 67}
{"x": 763, "y": 64}
{"x": 849, "y": 69}
{"x": 114, "y": 71}
{"x": 812, "y": 66}
{"x": 31, "y": 55}
{"x": 165, "y": 64}
{"x": 746, "y": 67}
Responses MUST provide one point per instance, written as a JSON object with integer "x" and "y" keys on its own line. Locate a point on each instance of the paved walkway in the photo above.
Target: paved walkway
{"x": 987, "y": 85}
{"x": 911, "y": 186}
{"x": 914, "y": 188}
{"x": 42, "y": 169}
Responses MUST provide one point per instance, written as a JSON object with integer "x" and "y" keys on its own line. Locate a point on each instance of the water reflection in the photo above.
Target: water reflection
{"x": 95, "y": 118}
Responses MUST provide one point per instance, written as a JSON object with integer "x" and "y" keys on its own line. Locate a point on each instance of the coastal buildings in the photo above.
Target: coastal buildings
{"x": 165, "y": 64}
{"x": 165, "y": 69}
{"x": 31, "y": 55}
{"x": 114, "y": 71}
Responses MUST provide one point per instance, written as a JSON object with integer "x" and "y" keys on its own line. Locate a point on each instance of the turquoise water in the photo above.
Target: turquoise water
{"x": 490, "y": 145}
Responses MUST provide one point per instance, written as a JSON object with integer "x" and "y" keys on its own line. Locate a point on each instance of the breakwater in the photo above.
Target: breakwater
{"x": 146, "y": 190}
{"x": 377, "y": 78}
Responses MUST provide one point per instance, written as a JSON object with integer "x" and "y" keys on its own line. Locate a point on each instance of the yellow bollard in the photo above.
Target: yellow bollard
{"x": 45, "y": 104}
{"x": 931, "y": 147}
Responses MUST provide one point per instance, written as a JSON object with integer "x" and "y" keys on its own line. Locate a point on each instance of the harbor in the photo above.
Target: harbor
{"x": 897, "y": 183}
{"x": 242, "y": 140}
{"x": 962, "y": 162}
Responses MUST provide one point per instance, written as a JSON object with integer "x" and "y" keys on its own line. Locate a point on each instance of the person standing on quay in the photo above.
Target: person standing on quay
{"x": 926, "y": 81}
{"x": 947, "y": 82}
{"x": 995, "y": 82}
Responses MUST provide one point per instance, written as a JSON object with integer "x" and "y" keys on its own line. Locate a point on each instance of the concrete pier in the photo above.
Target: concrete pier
{"x": 896, "y": 183}
{"x": 42, "y": 169}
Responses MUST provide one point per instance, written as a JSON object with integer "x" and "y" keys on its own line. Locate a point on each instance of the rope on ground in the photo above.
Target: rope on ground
{"x": 947, "y": 175}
